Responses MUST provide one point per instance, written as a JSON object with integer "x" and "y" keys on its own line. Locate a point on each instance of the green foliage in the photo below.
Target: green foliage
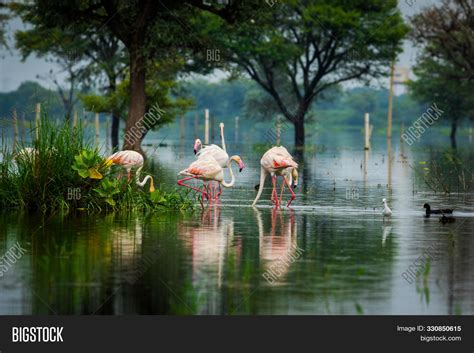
{"x": 161, "y": 90}
{"x": 447, "y": 171}
{"x": 305, "y": 48}
{"x": 107, "y": 189}
{"x": 26, "y": 96}
{"x": 173, "y": 200}
{"x": 436, "y": 83}
{"x": 63, "y": 172}
{"x": 445, "y": 67}
{"x": 87, "y": 163}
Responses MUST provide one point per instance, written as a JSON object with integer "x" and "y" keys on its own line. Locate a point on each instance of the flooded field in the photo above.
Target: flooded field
{"x": 331, "y": 253}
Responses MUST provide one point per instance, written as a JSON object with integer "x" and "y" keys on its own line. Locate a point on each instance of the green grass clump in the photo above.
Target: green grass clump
{"x": 62, "y": 170}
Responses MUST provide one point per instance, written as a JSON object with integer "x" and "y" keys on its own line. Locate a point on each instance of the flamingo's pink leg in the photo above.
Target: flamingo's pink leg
{"x": 211, "y": 193}
{"x": 274, "y": 192}
{"x": 220, "y": 191}
{"x": 129, "y": 175}
{"x": 282, "y": 190}
{"x": 292, "y": 193}
{"x": 181, "y": 183}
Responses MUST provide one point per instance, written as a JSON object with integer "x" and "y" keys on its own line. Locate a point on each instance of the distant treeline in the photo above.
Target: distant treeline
{"x": 228, "y": 99}
{"x": 24, "y": 100}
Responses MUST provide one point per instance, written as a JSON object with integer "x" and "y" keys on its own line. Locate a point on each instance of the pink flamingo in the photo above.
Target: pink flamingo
{"x": 208, "y": 169}
{"x": 130, "y": 159}
{"x": 277, "y": 161}
{"x": 218, "y": 153}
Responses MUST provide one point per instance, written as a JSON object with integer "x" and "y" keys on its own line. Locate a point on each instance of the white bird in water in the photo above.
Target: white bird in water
{"x": 387, "y": 212}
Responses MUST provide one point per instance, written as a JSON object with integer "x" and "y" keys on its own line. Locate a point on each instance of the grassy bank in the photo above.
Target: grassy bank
{"x": 62, "y": 170}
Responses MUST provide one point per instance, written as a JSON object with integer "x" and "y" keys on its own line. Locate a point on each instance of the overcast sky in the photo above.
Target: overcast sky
{"x": 13, "y": 71}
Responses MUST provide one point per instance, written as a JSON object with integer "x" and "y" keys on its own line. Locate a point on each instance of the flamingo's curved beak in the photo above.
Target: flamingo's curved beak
{"x": 196, "y": 145}
{"x": 241, "y": 165}
{"x": 295, "y": 184}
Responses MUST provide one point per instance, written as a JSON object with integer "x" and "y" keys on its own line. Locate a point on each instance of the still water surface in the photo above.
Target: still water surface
{"x": 345, "y": 259}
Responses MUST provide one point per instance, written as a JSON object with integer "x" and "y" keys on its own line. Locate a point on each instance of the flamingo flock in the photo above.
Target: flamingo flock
{"x": 212, "y": 160}
{"x": 209, "y": 167}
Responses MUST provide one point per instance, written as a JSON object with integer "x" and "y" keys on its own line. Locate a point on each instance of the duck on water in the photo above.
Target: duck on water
{"x": 430, "y": 211}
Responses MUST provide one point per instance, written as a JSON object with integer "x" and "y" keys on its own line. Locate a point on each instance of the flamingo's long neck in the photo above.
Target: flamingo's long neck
{"x": 143, "y": 182}
{"x": 232, "y": 176}
{"x": 263, "y": 175}
{"x": 222, "y": 138}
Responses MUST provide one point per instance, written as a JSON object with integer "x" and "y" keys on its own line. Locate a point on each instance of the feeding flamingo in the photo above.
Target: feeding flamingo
{"x": 218, "y": 153}
{"x": 207, "y": 168}
{"x": 277, "y": 161}
{"x": 130, "y": 159}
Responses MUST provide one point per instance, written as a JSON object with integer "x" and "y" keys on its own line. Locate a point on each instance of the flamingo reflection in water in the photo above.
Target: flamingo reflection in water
{"x": 278, "y": 247}
{"x": 211, "y": 246}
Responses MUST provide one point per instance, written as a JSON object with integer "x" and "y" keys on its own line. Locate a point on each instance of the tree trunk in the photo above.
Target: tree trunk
{"x": 114, "y": 132}
{"x": 454, "y": 127}
{"x": 134, "y": 127}
{"x": 299, "y": 131}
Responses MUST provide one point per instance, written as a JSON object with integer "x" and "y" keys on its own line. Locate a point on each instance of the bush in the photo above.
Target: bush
{"x": 63, "y": 171}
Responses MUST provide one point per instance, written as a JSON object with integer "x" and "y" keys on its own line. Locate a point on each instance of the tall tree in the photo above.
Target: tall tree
{"x": 436, "y": 83}
{"x": 446, "y": 34}
{"x": 164, "y": 100}
{"x": 445, "y": 67}
{"x": 297, "y": 49}
{"x": 145, "y": 27}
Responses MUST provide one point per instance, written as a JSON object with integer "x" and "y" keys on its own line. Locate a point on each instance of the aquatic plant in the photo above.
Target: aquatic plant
{"x": 87, "y": 163}
{"x": 447, "y": 172}
{"x": 61, "y": 170}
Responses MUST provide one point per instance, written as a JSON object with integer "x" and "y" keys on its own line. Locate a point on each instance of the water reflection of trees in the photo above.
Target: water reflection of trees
{"x": 212, "y": 263}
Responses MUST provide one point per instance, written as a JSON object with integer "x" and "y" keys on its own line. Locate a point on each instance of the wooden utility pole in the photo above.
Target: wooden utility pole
{"x": 37, "y": 118}
{"x": 74, "y": 121}
{"x": 367, "y": 131}
{"x": 390, "y": 101}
